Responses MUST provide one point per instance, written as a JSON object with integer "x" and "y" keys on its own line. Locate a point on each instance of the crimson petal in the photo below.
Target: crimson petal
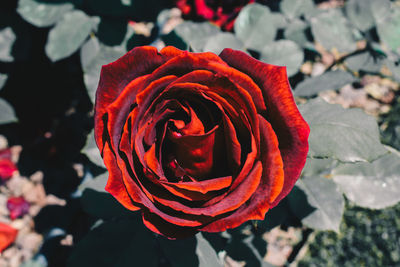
{"x": 282, "y": 113}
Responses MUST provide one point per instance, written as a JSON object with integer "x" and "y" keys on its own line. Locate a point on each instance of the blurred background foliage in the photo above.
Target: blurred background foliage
{"x": 341, "y": 52}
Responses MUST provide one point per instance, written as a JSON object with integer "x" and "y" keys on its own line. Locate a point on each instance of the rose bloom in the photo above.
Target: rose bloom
{"x": 7, "y": 236}
{"x": 17, "y": 206}
{"x": 221, "y": 12}
{"x": 196, "y": 141}
{"x": 7, "y": 167}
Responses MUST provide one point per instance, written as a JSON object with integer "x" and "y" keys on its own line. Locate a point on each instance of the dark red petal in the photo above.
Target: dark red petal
{"x": 7, "y": 235}
{"x": 17, "y": 206}
{"x": 230, "y": 202}
{"x": 162, "y": 227}
{"x": 155, "y": 86}
{"x": 273, "y": 173}
{"x": 198, "y": 154}
{"x": 118, "y": 113}
{"x": 115, "y": 184}
{"x": 198, "y": 191}
{"x": 282, "y": 113}
{"x": 241, "y": 80}
{"x": 203, "y": 186}
{"x": 270, "y": 185}
{"x": 7, "y": 169}
{"x": 115, "y": 76}
{"x": 135, "y": 186}
{"x": 236, "y": 96}
{"x": 231, "y": 143}
{"x": 203, "y": 10}
{"x": 5, "y": 154}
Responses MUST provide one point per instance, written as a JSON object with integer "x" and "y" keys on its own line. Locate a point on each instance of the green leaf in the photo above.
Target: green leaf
{"x": 97, "y": 184}
{"x": 196, "y": 35}
{"x": 373, "y": 185}
{"x": 69, "y": 34}
{"x": 348, "y": 135}
{"x": 254, "y": 26}
{"x": 394, "y": 69}
{"x": 122, "y": 243}
{"x": 283, "y": 53}
{"x": 3, "y": 80}
{"x": 315, "y": 167}
{"x": 194, "y": 251}
{"x": 278, "y": 20}
{"x": 7, "y": 39}
{"x": 364, "y": 62}
{"x": 93, "y": 56}
{"x": 223, "y": 40}
{"x": 326, "y": 198}
{"x": 295, "y": 32}
{"x": 380, "y": 10}
{"x": 42, "y": 14}
{"x": 360, "y": 13}
{"x": 295, "y": 8}
{"x": 102, "y": 205}
{"x": 91, "y": 150}
{"x": 126, "y": 2}
{"x": 37, "y": 261}
{"x": 332, "y": 30}
{"x": 7, "y": 114}
{"x": 206, "y": 254}
{"x": 330, "y": 80}
{"x": 389, "y": 29}
{"x": 137, "y": 10}
{"x": 179, "y": 252}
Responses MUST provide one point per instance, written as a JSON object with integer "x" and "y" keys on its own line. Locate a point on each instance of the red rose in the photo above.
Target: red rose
{"x": 221, "y": 12}
{"x": 17, "y": 206}
{"x": 196, "y": 141}
{"x": 7, "y": 167}
{"x": 7, "y": 235}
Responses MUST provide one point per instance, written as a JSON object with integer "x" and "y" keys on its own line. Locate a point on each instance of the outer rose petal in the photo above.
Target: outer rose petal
{"x": 286, "y": 120}
{"x": 270, "y": 185}
{"x": 162, "y": 227}
{"x": 7, "y": 236}
{"x": 117, "y": 75}
{"x": 7, "y": 169}
{"x": 115, "y": 184}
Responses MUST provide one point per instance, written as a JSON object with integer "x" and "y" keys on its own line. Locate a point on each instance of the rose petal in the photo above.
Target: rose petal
{"x": 282, "y": 113}
{"x": 230, "y": 202}
{"x": 115, "y": 76}
{"x": 7, "y": 235}
{"x": 270, "y": 185}
{"x": 17, "y": 206}
{"x": 203, "y": 186}
{"x": 115, "y": 184}
{"x": 235, "y": 95}
{"x": 7, "y": 169}
{"x": 5, "y": 154}
{"x": 162, "y": 227}
{"x": 198, "y": 154}
{"x": 198, "y": 191}
{"x": 273, "y": 176}
{"x": 139, "y": 187}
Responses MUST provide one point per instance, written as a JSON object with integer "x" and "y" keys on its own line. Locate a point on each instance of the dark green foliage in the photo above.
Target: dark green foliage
{"x": 327, "y": 81}
{"x": 6, "y": 112}
{"x": 367, "y": 238}
{"x": 391, "y": 135}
